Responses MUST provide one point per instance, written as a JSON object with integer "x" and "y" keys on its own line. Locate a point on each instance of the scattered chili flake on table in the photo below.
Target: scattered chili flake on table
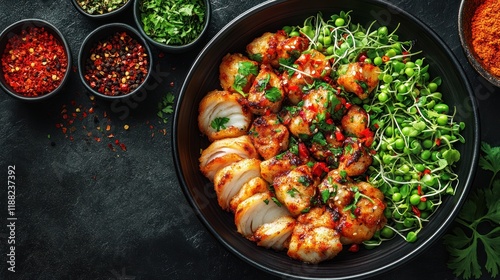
{"x": 34, "y": 62}
{"x": 99, "y": 7}
{"x": 486, "y": 35}
{"x": 117, "y": 65}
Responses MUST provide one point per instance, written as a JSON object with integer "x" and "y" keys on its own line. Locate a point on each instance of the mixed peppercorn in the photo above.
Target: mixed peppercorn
{"x": 117, "y": 65}
{"x": 34, "y": 62}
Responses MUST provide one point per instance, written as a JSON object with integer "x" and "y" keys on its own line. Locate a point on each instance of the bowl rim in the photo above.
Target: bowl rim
{"x": 469, "y": 50}
{"x": 173, "y": 48}
{"x": 101, "y": 16}
{"x": 59, "y": 36}
{"x": 418, "y": 249}
{"x": 85, "y": 45}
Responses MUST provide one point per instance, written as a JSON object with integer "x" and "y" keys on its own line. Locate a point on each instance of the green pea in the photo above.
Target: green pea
{"x": 411, "y": 237}
{"x": 391, "y": 53}
{"x": 425, "y": 155}
{"x": 441, "y": 108}
{"x": 428, "y": 180}
{"x": 409, "y": 64}
{"x": 402, "y": 88}
{"x": 398, "y": 66}
{"x": 408, "y": 222}
{"x": 436, "y": 155}
{"x": 427, "y": 143}
{"x": 383, "y": 31}
{"x": 377, "y": 60}
{"x": 339, "y": 22}
{"x": 386, "y": 159}
{"x": 404, "y": 168}
{"x": 287, "y": 29}
{"x": 432, "y": 87}
{"x": 387, "y": 78}
{"x": 424, "y": 214}
{"x": 389, "y": 131}
{"x": 294, "y": 33}
{"x": 387, "y": 213}
{"x": 396, "y": 197}
{"x": 330, "y": 50}
{"x": 327, "y": 41}
{"x": 386, "y": 232}
{"x": 419, "y": 167}
{"x": 409, "y": 72}
{"x": 399, "y": 143}
{"x": 383, "y": 97}
{"x": 367, "y": 61}
{"x": 415, "y": 199}
{"x": 422, "y": 205}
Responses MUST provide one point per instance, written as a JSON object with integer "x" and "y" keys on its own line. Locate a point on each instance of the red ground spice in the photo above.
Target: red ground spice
{"x": 486, "y": 35}
{"x": 34, "y": 62}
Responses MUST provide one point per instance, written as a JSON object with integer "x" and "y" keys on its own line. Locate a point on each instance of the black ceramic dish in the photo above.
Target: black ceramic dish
{"x": 16, "y": 28}
{"x": 103, "y": 16}
{"x": 271, "y": 16}
{"x": 171, "y": 48}
{"x": 101, "y": 33}
{"x": 465, "y": 14}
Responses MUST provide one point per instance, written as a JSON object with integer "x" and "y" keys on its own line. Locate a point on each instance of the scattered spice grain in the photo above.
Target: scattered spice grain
{"x": 100, "y": 7}
{"x": 486, "y": 35}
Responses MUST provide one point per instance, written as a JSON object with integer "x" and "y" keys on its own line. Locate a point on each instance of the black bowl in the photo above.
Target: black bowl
{"x": 101, "y": 33}
{"x": 103, "y": 16}
{"x": 271, "y": 16}
{"x": 16, "y": 29}
{"x": 172, "y": 48}
{"x": 465, "y": 15}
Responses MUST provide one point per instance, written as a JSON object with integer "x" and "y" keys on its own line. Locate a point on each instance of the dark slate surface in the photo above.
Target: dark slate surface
{"x": 86, "y": 211}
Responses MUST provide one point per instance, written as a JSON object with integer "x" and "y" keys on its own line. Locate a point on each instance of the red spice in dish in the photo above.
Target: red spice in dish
{"x": 117, "y": 65}
{"x": 486, "y": 35}
{"x": 34, "y": 62}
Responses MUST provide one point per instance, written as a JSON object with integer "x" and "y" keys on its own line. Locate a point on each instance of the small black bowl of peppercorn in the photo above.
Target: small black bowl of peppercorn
{"x": 114, "y": 61}
{"x": 35, "y": 60}
{"x": 173, "y": 26}
{"x": 101, "y": 9}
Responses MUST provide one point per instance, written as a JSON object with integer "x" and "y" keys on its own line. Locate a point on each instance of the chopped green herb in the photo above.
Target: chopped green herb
{"x": 276, "y": 201}
{"x": 219, "y": 123}
{"x": 165, "y": 107}
{"x": 273, "y": 94}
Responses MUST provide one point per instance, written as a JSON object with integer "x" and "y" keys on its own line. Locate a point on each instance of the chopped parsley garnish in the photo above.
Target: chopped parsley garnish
{"x": 219, "y": 123}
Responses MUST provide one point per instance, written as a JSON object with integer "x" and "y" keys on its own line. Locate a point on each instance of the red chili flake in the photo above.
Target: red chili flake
{"x": 161, "y": 54}
{"x": 64, "y": 130}
{"x": 438, "y": 141}
{"x": 318, "y": 168}
{"x": 419, "y": 190}
{"x": 123, "y": 147}
{"x": 117, "y": 65}
{"x": 339, "y": 136}
{"x": 415, "y": 210}
{"x": 91, "y": 110}
{"x": 111, "y": 146}
{"x": 172, "y": 84}
{"x": 427, "y": 171}
{"x": 348, "y": 105}
{"x": 303, "y": 152}
{"x": 354, "y": 248}
{"x": 34, "y": 62}
{"x": 329, "y": 121}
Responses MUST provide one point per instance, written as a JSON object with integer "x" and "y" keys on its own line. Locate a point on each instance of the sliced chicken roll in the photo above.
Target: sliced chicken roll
{"x": 223, "y": 152}
{"x": 257, "y": 210}
{"x": 255, "y": 185}
{"x": 229, "y": 180}
{"x": 275, "y": 234}
{"x": 222, "y": 114}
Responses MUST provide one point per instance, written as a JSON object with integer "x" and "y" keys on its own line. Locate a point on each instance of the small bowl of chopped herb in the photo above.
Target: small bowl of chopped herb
{"x": 101, "y": 9}
{"x": 114, "y": 61}
{"x": 173, "y": 26}
{"x": 35, "y": 60}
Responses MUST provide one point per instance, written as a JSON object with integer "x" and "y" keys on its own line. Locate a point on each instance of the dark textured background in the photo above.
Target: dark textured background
{"x": 86, "y": 211}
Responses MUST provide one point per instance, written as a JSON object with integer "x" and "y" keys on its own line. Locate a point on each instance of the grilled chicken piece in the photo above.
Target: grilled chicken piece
{"x": 275, "y": 234}
{"x": 359, "y": 78}
{"x": 237, "y": 72}
{"x": 253, "y": 186}
{"x": 223, "y": 152}
{"x": 269, "y": 136}
{"x": 315, "y": 103}
{"x": 229, "y": 180}
{"x": 355, "y": 121}
{"x": 355, "y": 158}
{"x": 264, "y": 48}
{"x": 222, "y": 114}
{"x": 360, "y": 223}
{"x": 295, "y": 189}
{"x": 311, "y": 65}
{"x": 266, "y": 93}
{"x": 255, "y": 211}
{"x": 279, "y": 165}
{"x": 314, "y": 238}
{"x": 291, "y": 48}
{"x": 338, "y": 188}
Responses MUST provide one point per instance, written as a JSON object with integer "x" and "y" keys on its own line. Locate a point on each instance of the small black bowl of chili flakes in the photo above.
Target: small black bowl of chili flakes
{"x": 114, "y": 61}
{"x": 35, "y": 60}
{"x": 101, "y": 9}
